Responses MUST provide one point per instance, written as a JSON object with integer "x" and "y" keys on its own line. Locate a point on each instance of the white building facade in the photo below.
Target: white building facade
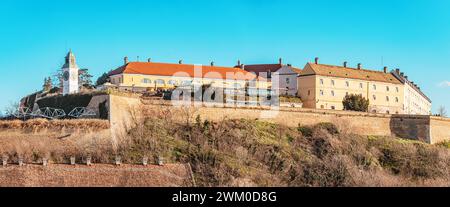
{"x": 415, "y": 101}
{"x": 283, "y": 77}
{"x": 285, "y": 80}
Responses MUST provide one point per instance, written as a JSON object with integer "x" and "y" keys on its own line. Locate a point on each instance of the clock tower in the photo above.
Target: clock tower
{"x": 70, "y": 74}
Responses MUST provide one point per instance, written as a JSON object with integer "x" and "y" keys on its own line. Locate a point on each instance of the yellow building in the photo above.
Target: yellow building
{"x": 145, "y": 76}
{"x": 325, "y": 86}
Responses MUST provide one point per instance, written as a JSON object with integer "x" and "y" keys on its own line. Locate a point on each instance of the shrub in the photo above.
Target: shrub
{"x": 330, "y": 127}
{"x": 445, "y": 144}
{"x": 354, "y": 102}
{"x": 305, "y": 130}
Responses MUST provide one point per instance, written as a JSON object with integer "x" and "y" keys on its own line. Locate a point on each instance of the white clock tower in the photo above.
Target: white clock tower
{"x": 70, "y": 75}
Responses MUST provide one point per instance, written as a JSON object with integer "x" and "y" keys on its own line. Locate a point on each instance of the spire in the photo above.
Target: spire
{"x": 70, "y": 61}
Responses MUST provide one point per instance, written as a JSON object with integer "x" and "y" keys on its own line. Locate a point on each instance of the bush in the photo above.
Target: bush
{"x": 305, "y": 130}
{"x": 354, "y": 102}
{"x": 330, "y": 127}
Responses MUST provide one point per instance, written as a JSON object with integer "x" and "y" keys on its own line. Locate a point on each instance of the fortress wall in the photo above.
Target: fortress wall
{"x": 422, "y": 128}
{"x": 440, "y": 129}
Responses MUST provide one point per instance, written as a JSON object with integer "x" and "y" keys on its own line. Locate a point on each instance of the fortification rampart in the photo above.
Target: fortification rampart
{"x": 423, "y": 128}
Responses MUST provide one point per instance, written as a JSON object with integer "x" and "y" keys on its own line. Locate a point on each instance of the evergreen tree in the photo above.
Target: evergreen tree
{"x": 47, "y": 84}
{"x": 354, "y": 102}
{"x": 84, "y": 78}
{"x": 104, "y": 78}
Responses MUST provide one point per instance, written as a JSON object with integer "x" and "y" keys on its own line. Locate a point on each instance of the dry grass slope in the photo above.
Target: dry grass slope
{"x": 257, "y": 153}
{"x": 36, "y": 125}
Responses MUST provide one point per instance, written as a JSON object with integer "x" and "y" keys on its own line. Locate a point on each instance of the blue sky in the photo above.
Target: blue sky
{"x": 413, "y": 35}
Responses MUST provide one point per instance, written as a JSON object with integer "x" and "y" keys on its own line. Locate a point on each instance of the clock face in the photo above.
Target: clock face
{"x": 66, "y": 75}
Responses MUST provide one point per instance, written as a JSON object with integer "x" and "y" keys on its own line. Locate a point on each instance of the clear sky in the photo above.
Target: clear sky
{"x": 413, "y": 35}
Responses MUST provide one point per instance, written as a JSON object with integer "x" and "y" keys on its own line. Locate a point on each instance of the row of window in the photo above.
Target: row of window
{"x": 361, "y": 85}
{"x": 162, "y": 82}
{"x": 176, "y": 83}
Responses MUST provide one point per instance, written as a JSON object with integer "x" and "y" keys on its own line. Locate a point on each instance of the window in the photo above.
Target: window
{"x": 332, "y": 93}
{"x": 387, "y": 98}
{"x": 387, "y": 88}
{"x": 396, "y": 88}
{"x": 333, "y": 107}
{"x": 332, "y": 82}
{"x": 160, "y": 82}
{"x": 309, "y": 92}
{"x": 186, "y": 83}
{"x": 237, "y": 85}
{"x": 146, "y": 80}
{"x": 321, "y": 92}
{"x": 321, "y": 81}
{"x": 361, "y": 85}
{"x": 396, "y": 99}
{"x": 374, "y": 97}
{"x": 322, "y": 107}
{"x": 287, "y": 80}
{"x": 374, "y": 87}
{"x": 172, "y": 82}
{"x": 387, "y": 112}
{"x": 347, "y": 84}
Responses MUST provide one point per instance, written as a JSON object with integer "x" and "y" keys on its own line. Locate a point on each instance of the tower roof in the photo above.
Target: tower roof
{"x": 70, "y": 60}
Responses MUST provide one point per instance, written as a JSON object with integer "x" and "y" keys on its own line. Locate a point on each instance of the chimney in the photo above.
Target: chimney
{"x": 289, "y": 65}
{"x": 180, "y": 62}
{"x": 359, "y": 66}
{"x": 385, "y": 69}
{"x": 212, "y": 63}
{"x": 125, "y": 60}
{"x": 402, "y": 74}
{"x": 316, "y": 60}
{"x": 397, "y": 71}
{"x": 406, "y": 77}
{"x": 280, "y": 61}
{"x": 345, "y": 64}
{"x": 149, "y": 60}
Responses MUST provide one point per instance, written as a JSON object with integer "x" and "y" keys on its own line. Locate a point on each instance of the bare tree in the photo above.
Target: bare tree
{"x": 442, "y": 112}
{"x": 11, "y": 108}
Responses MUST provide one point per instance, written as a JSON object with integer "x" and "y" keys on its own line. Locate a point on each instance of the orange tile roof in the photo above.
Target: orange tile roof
{"x": 184, "y": 70}
{"x": 346, "y": 72}
{"x": 297, "y": 70}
